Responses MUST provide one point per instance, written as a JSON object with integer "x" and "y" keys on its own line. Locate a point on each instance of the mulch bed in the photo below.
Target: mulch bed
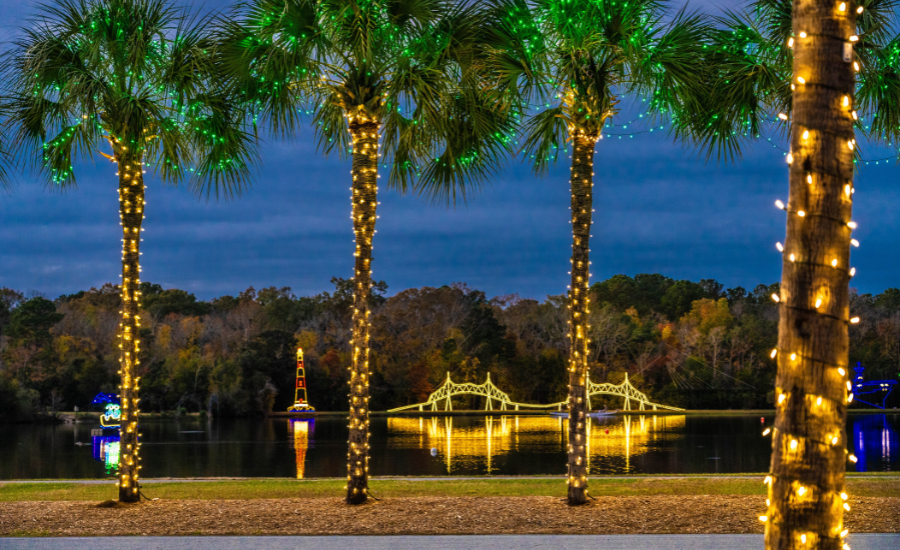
{"x": 419, "y": 515}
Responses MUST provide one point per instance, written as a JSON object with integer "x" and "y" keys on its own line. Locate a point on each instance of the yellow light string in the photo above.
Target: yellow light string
{"x": 364, "y": 130}
{"x": 583, "y": 144}
{"x": 797, "y": 444}
{"x": 131, "y": 203}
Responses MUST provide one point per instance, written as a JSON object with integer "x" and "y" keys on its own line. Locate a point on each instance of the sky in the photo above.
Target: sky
{"x": 660, "y": 208}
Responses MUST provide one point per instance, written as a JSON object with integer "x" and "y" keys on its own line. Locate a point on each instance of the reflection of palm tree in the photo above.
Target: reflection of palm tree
{"x": 135, "y": 76}
{"x": 378, "y": 75}
{"x": 582, "y": 55}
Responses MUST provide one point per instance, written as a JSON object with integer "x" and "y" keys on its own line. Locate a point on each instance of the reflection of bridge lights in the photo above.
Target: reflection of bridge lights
{"x": 300, "y": 429}
{"x": 623, "y": 438}
{"x": 475, "y": 447}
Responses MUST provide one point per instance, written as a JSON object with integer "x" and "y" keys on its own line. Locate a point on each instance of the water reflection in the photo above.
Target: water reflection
{"x": 106, "y": 450}
{"x": 614, "y": 442}
{"x": 301, "y": 429}
{"x": 463, "y": 445}
{"x": 468, "y": 446}
{"x": 874, "y": 439}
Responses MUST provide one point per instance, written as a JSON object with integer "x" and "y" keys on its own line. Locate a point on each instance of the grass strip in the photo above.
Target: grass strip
{"x": 311, "y": 488}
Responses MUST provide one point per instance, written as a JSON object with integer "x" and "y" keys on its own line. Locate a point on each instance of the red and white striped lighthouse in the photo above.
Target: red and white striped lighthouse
{"x": 300, "y": 398}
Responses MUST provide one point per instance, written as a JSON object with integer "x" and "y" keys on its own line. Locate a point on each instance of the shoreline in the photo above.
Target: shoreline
{"x": 80, "y": 417}
{"x": 535, "y": 477}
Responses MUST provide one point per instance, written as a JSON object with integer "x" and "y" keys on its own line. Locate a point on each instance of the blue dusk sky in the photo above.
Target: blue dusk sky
{"x": 659, "y": 208}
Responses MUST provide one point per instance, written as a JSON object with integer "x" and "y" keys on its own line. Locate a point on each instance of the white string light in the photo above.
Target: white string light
{"x": 798, "y": 444}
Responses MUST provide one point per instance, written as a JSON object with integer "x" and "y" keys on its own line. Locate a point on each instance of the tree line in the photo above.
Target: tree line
{"x": 691, "y": 344}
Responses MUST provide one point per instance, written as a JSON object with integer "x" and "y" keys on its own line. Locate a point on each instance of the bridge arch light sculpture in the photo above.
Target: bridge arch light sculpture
{"x": 491, "y": 393}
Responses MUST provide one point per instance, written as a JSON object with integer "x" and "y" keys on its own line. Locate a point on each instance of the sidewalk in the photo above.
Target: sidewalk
{"x": 493, "y": 542}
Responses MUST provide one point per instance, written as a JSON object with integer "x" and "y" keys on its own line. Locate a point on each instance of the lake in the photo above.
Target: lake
{"x": 424, "y": 446}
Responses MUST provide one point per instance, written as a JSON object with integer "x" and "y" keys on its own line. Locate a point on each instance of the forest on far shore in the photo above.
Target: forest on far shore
{"x": 691, "y": 344}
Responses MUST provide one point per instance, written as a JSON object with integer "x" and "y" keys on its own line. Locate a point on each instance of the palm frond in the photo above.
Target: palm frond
{"x": 408, "y": 64}
{"x": 6, "y": 156}
{"x": 578, "y": 58}
{"x": 746, "y": 70}
{"x": 410, "y": 146}
{"x": 476, "y": 140}
{"x": 545, "y": 134}
{"x": 138, "y": 75}
{"x": 225, "y": 150}
{"x": 669, "y": 67}
{"x": 515, "y": 51}
{"x": 331, "y": 128}
{"x": 878, "y": 93}
{"x": 268, "y": 54}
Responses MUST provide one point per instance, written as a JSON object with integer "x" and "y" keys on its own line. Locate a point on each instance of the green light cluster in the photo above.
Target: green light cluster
{"x": 748, "y": 68}
{"x": 101, "y": 75}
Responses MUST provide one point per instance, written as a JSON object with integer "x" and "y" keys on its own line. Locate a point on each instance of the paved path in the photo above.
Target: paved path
{"x": 400, "y": 478}
{"x": 493, "y": 542}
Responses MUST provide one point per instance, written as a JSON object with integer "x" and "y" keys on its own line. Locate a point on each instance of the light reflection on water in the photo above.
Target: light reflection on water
{"x": 302, "y": 429}
{"x": 401, "y": 446}
{"x": 875, "y": 442}
{"x": 464, "y": 447}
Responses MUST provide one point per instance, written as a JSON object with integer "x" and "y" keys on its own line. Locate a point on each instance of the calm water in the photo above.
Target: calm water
{"x": 424, "y": 446}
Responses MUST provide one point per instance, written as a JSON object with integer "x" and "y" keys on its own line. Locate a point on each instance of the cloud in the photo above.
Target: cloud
{"x": 658, "y": 209}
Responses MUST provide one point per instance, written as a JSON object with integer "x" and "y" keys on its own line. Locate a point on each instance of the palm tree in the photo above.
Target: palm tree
{"x": 820, "y": 69}
{"x": 391, "y": 83}
{"x": 584, "y": 56}
{"x": 136, "y": 77}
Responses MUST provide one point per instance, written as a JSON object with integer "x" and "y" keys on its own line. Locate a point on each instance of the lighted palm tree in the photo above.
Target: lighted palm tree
{"x": 134, "y": 77}
{"x": 579, "y": 58}
{"x": 389, "y": 83}
{"x": 823, "y": 71}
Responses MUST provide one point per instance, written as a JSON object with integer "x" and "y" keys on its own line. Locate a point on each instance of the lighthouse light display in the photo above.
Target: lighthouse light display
{"x": 300, "y": 398}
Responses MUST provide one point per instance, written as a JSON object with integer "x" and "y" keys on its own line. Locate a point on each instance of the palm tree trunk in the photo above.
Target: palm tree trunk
{"x": 131, "y": 211}
{"x": 365, "y": 199}
{"x": 809, "y": 448}
{"x": 582, "y": 183}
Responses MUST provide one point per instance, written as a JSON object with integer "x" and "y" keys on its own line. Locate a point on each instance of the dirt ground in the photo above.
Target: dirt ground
{"x": 419, "y": 515}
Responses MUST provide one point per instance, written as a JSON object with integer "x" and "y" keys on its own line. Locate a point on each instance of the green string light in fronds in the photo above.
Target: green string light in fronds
{"x": 748, "y": 68}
